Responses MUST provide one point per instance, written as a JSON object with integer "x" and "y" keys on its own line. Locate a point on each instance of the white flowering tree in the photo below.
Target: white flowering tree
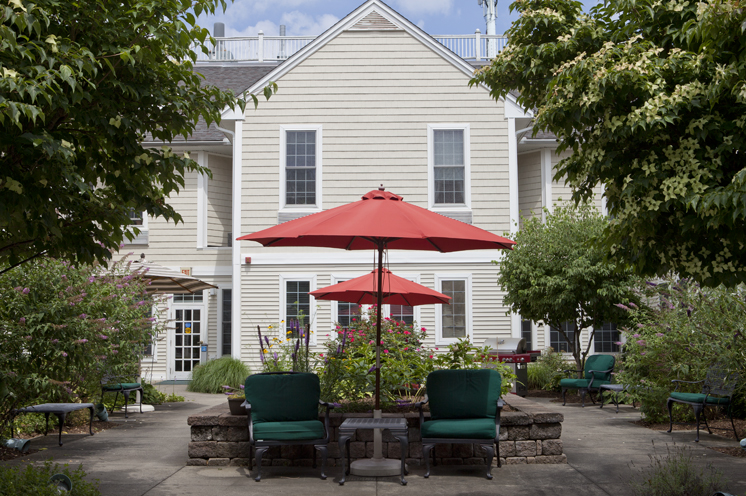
{"x": 650, "y": 98}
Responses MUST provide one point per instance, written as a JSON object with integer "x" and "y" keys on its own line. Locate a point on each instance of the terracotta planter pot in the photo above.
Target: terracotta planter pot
{"x": 235, "y": 406}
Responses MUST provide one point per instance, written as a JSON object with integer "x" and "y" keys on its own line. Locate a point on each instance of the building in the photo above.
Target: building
{"x": 374, "y": 100}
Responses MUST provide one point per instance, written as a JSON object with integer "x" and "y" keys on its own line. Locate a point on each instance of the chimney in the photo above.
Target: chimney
{"x": 219, "y": 30}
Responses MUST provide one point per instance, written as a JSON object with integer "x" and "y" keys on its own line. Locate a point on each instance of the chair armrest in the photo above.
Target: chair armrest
{"x": 419, "y": 405}
{"x": 247, "y": 405}
{"x": 500, "y": 405}
{"x": 590, "y": 372}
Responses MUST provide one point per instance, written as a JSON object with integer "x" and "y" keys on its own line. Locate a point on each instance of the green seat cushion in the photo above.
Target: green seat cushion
{"x": 122, "y": 385}
{"x": 463, "y": 394}
{"x": 482, "y": 428}
{"x": 581, "y": 383}
{"x": 699, "y": 398}
{"x": 283, "y": 397}
{"x": 289, "y": 431}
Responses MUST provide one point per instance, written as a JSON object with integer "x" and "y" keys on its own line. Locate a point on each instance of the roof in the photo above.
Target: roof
{"x": 228, "y": 76}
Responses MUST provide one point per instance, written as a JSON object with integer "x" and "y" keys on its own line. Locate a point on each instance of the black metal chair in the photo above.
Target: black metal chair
{"x": 116, "y": 384}
{"x": 284, "y": 410}
{"x": 717, "y": 390}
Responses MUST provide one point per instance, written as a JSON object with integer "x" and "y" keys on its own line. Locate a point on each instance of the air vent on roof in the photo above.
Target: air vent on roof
{"x": 374, "y": 22}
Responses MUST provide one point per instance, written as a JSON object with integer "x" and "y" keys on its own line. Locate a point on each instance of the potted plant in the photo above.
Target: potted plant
{"x": 235, "y": 398}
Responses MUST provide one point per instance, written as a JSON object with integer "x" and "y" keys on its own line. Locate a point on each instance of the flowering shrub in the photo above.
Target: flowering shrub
{"x": 286, "y": 348}
{"x": 348, "y": 365}
{"x": 685, "y": 330}
{"x": 63, "y": 327}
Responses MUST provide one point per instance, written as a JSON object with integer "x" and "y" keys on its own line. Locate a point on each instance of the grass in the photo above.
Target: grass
{"x": 210, "y": 377}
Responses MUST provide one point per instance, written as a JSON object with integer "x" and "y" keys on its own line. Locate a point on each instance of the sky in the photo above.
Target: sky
{"x": 313, "y": 17}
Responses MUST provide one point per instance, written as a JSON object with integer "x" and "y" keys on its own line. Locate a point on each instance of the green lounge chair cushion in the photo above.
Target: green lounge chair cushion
{"x": 463, "y": 394}
{"x": 283, "y": 398}
{"x": 122, "y": 385}
{"x": 580, "y": 383}
{"x": 299, "y": 430}
{"x": 699, "y": 398}
{"x": 598, "y": 363}
{"x": 481, "y": 428}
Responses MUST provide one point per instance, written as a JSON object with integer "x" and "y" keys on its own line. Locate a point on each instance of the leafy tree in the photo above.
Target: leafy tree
{"x": 83, "y": 84}
{"x": 650, "y": 97}
{"x": 556, "y": 273}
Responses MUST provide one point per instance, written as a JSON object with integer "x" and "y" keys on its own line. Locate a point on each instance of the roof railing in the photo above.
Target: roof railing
{"x": 262, "y": 48}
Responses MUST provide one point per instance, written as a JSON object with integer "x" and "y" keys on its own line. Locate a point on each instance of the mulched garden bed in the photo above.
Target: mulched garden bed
{"x": 10, "y": 454}
{"x": 721, "y": 423}
{"x": 737, "y": 452}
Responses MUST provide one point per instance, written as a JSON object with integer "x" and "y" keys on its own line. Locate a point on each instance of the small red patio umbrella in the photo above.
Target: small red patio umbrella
{"x": 380, "y": 220}
{"x": 396, "y": 291}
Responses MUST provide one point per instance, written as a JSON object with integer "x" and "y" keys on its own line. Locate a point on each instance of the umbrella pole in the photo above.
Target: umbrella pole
{"x": 378, "y": 326}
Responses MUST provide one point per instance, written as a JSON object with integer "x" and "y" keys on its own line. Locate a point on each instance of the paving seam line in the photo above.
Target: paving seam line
{"x": 590, "y": 480}
{"x": 162, "y": 481}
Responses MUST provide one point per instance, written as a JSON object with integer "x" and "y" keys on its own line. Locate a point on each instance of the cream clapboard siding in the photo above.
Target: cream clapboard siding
{"x": 374, "y": 95}
{"x": 562, "y": 192}
{"x": 529, "y": 184}
{"x": 261, "y": 288}
{"x": 219, "y": 200}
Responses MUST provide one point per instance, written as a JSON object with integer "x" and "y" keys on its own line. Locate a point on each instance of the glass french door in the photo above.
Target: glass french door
{"x": 187, "y": 336}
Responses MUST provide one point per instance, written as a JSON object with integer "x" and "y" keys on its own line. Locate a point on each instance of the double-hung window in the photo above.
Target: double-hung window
{"x": 527, "y": 333}
{"x": 449, "y": 167}
{"x": 300, "y": 175}
{"x": 605, "y": 339}
{"x": 296, "y": 302}
{"x": 558, "y": 341}
{"x": 453, "y": 321}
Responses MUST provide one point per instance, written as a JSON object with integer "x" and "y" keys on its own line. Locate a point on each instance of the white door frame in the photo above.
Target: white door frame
{"x": 171, "y": 355}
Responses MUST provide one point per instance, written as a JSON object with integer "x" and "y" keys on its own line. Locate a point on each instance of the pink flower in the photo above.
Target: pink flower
{"x": 406, "y": 348}
{"x": 371, "y": 342}
{"x": 641, "y": 342}
{"x": 55, "y": 341}
{"x": 436, "y": 348}
{"x": 25, "y": 291}
{"x": 423, "y": 329}
{"x": 321, "y": 355}
{"x": 82, "y": 316}
{"x": 22, "y": 320}
{"x": 81, "y": 341}
{"x": 101, "y": 336}
{"x": 635, "y": 335}
{"x": 659, "y": 334}
{"x": 431, "y": 356}
{"x": 618, "y": 343}
{"x": 642, "y": 353}
{"x": 407, "y": 332}
{"x": 385, "y": 351}
{"x": 64, "y": 354}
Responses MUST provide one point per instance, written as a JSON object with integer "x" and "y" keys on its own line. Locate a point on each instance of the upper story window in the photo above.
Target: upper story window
{"x": 449, "y": 168}
{"x": 135, "y": 217}
{"x": 300, "y": 162}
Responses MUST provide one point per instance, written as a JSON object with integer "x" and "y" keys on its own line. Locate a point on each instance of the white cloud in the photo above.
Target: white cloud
{"x": 296, "y": 24}
{"x": 421, "y": 7}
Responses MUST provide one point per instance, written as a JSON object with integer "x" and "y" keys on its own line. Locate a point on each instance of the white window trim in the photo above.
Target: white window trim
{"x": 439, "y": 278}
{"x": 153, "y": 358}
{"x": 416, "y": 308}
{"x": 143, "y": 230}
{"x": 319, "y": 168}
{"x": 311, "y": 302}
{"x": 336, "y": 279}
{"x": 219, "y": 320}
{"x": 466, "y": 207}
{"x": 202, "y": 200}
{"x": 171, "y": 330}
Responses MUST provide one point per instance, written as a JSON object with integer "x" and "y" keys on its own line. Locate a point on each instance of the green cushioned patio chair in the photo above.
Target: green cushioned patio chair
{"x": 119, "y": 384}
{"x": 597, "y": 371}
{"x": 717, "y": 390}
{"x": 465, "y": 408}
{"x": 284, "y": 410}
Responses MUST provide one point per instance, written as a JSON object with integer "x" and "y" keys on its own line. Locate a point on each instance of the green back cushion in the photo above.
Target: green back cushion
{"x": 283, "y": 398}
{"x": 599, "y": 362}
{"x": 458, "y": 394}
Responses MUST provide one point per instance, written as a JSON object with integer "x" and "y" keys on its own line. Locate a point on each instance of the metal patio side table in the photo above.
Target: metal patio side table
{"x": 615, "y": 389}
{"x": 397, "y": 427}
{"x": 59, "y": 409}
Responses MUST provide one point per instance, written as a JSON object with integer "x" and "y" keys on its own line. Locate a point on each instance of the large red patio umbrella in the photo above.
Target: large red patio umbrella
{"x": 363, "y": 290}
{"x": 381, "y": 220}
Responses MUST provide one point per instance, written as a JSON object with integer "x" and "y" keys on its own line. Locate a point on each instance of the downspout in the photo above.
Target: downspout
{"x": 237, "y": 141}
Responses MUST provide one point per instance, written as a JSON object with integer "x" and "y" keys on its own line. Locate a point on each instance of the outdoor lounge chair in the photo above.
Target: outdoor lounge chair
{"x": 117, "y": 384}
{"x": 598, "y": 370}
{"x": 465, "y": 408}
{"x": 284, "y": 410}
{"x": 717, "y": 390}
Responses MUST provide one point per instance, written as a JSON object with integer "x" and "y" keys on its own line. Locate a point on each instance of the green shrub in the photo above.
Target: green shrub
{"x": 547, "y": 371}
{"x": 674, "y": 475}
{"x": 685, "y": 331}
{"x": 210, "y": 377}
{"x": 151, "y": 396}
{"x": 34, "y": 480}
{"x": 173, "y": 398}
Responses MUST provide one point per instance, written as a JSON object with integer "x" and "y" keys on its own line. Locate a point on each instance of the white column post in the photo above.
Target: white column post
{"x": 236, "y": 328}
{"x": 260, "y": 47}
{"x": 202, "y": 181}
{"x": 478, "y": 45}
{"x": 515, "y": 319}
{"x": 547, "y": 174}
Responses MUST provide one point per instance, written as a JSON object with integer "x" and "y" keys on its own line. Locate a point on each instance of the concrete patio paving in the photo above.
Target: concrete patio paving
{"x": 147, "y": 454}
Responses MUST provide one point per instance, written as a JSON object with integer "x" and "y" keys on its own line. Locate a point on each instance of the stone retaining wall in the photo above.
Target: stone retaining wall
{"x": 530, "y": 434}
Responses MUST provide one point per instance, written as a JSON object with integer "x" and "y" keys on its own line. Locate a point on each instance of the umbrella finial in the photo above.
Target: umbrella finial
{"x": 142, "y": 256}
{"x": 381, "y": 188}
